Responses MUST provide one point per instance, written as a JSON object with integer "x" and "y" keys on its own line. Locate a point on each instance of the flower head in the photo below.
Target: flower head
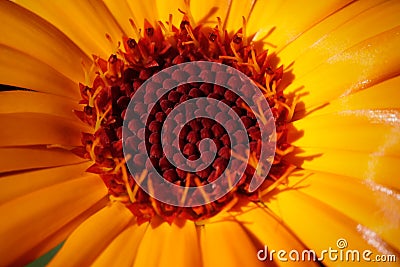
{"x": 329, "y": 74}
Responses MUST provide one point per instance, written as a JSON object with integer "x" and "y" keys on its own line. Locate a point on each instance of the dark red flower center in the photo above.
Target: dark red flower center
{"x": 119, "y": 78}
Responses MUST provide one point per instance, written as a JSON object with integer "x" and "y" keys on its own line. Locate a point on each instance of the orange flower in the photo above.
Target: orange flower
{"x": 340, "y": 59}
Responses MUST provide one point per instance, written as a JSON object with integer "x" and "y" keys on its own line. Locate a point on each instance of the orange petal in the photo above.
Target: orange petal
{"x": 320, "y": 227}
{"x": 121, "y": 12}
{"x": 21, "y": 70}
{"x": 24, "y": 158}
{"x": 270, "y": 232}
{"x": 22, "y": 129}
{"x": 164, "y": 9}
{"x": 122, "y": 250}
{"x": 86, "y": 23}
{"x": 95, "y": 233}
{"x": 35, "y": 216}
{"x": 386, "y": 91}
{"x": 237, "y": 10}
{"x": 368, "y": 130}
{"x": 35, "y": 102}
{"x": 18, "y": 184}
{"x": 226, "y": 243}
{"x": 375, "y": 166}
{"x": 176, "y": 243}
{"x": 60, "y": 235}
{"x": 289, "y": 19}
{"x": 355, "y": 69}
{"x": 208, "y": 13}
{"x": 142, "y": 10}
{"x": 40, "y": 40}
{"x": 349, "y": 26}
{"x": 365, "y": 202}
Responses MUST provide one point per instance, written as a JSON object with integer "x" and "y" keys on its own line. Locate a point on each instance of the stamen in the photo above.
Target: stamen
{"x": 122, "y": 166}
{"x": 244, "y": 36}
{"x": 135, "y": 29}
{"x": 100, "y": 115}
{"x": 203, "y": 193}
{"x": 194, "y": 41}
{"x": 137, "y": 186}
{"x": 278, "y": 181}
{"x": 236, "y": 56}
{"x": 187, "y": 185}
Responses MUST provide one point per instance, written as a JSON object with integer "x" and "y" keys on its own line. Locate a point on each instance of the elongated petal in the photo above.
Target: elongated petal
{"x": 60, "y": 235}
{"x": 381, "y": 96}
{"x": 270, "y": 232}
{"x": 147, "y": 11}
{"x": 226, "y": 243}
{"x": 204, "y": 14}
{"x": 24, "y": 158}
{"x": 96, "y": 233}
{"x": 339, "y": 32}
{"x": 40, "y": 40}
{"x": 284, "y": 21}
{"x": 122, "y": 250}
{"x": 35, "y": 102}
{"x": 85, "y": 23}
{"x": 314, "y": 221}
{"x": 177, "y": 243}
{"x": 364, "y": 64}
{"x": 18, "y": 184}
{"x": 365, "y": 202}
{"x": 164, "y": 9}
{"x": 21, "y": 70}
{"x": 122, "y": 13}
{"x": 374, "y": 166}
{"x": 46, "y": 210}
{"x": 237, "y": 10}
{"x": 367, "y": 130}
{"x": 23, "y": 129}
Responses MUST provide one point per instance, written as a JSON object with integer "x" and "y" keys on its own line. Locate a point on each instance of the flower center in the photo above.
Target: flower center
{"x": 118, "y": 79}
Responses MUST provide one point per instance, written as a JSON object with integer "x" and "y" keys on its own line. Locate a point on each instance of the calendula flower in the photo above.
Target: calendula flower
{"x": 329, "y": 71}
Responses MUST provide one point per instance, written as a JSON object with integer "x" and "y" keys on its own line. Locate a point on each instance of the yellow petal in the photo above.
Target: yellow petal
{"x": 18, "y": 184}
{"x": 24, "y": 158}
{"x": 226, "y": 243}
{"x": 86, "y": 23}
{"x": 122, "y": 13}
{"x": 386, "y": 91}
{"x": 320, "y": 227}
{"x": 142, "y": 10}
{"x": 35, "y": 102}
{"x": 270, "y": 232}
{"x": 237, "y": 10}
{"x": 46, "y": 210}
{"x": 208, "y": 13}
{"x": 60, "y": 235}
{"x": 164, "y": 9}
{"x": 365, "y": 202}
{"x": 95, "y": 233}
{"x": 374, "y": 166}
{"x": 357, "y": 68}
{"x": 21, "y": 70}
{"x": 349, "y": 26}
{"x": 23, "y": 129}
{"x": 288, "y": 19}
{"x": 122, "y": 250}
{"x": 177, "y": 243}
{"x": 369, "y": 130}
{"x": 40, "y": 40}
